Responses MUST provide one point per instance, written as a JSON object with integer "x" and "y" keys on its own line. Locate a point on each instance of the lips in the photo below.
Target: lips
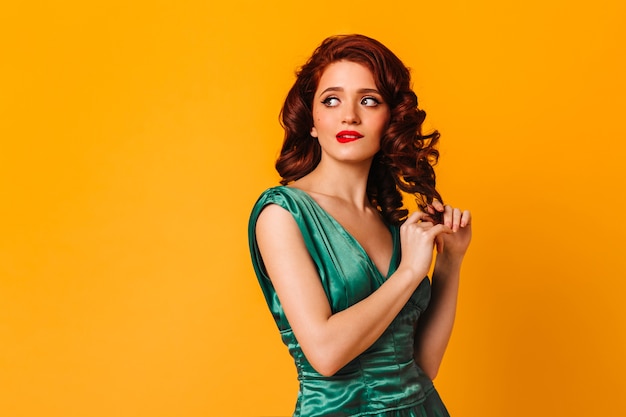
{"x": 346, "y": 136}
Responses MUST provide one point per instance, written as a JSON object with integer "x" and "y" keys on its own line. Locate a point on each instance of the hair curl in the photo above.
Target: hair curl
{"x": 406, "y": 157}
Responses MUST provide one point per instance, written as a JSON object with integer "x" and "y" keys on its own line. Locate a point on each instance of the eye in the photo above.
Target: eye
{"x": 370, "y": 101}
{"x": 330, "y": 101}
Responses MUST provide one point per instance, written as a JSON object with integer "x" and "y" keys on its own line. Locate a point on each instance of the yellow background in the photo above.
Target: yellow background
{"x": 135, "y": 137}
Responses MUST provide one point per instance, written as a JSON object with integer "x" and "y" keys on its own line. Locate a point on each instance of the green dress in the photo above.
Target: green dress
{"x": 383, "y": 381}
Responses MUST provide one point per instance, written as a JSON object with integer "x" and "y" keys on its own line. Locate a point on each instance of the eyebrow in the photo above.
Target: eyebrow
{"x": 360, "y": 90}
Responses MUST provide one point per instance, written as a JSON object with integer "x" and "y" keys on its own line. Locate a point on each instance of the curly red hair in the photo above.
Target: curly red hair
{"x": 406, "y": 157}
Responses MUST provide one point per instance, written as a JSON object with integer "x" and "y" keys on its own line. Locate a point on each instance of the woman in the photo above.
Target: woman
{"x": 342, "y": 267}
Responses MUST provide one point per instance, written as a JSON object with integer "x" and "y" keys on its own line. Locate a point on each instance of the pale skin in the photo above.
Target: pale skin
{"x": 346, "y": 100}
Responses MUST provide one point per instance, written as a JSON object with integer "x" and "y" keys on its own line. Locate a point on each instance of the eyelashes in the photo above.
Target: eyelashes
{"x": 330, "y": 101}
{"x": 368, "y": 101}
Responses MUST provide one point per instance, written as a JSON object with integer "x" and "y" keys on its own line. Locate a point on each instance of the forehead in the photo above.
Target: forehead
{"x": 346, "y": 74}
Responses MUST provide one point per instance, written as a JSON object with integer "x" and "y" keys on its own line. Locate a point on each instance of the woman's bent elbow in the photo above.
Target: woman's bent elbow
{"x": 325, "y": 368}
{"x": 430, "y": 368}
{"x": 431, "y": 371}
{"x": 324, "y": 363}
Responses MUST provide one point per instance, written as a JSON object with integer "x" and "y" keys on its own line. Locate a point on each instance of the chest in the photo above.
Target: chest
{"x": 371, "y": 234}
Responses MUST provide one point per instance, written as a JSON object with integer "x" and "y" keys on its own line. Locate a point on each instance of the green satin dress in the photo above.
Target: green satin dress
{"x": 384, "y": 381}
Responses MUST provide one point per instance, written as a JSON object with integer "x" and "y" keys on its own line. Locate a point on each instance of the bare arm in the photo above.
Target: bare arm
{"x": 435, "y": 326}
{"x": 328, "y": 340}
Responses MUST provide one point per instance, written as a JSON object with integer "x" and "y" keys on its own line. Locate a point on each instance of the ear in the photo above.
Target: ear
{"x": 314, "y": 132}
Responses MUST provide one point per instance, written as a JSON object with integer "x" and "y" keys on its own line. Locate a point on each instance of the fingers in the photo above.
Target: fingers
{"x": 433, "y": 231}
{"x": 417, "y": 217}
{"x": 455, "y": 219}
{"x": 436, "y": 212}
{"x": 451, "y": 217}
{"x": 466, "y": 218}
{"x": 425, "y": 223}
{"x": 448, "y": 212}
{"x": 437, "y": 232}
{"x": 436, "y": 205}
{"x": 439, "y": 229}
{"x": 460, "y": 219}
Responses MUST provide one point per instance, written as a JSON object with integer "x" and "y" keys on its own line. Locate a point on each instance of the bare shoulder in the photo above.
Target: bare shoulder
{"x": 278, "y": 235}
{"x": 274, "y": 219}
{"x": 285, "y": 256}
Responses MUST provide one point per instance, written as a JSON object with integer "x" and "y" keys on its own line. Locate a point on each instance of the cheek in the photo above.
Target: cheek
{"x": 321, "y": 120}
{"x": 383, "y": 123}
{"x": 316, "y": 117}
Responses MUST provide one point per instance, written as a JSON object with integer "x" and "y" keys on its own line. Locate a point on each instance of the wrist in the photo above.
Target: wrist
{"x": 410, "y": 275}
{"x": 448, "y": 263}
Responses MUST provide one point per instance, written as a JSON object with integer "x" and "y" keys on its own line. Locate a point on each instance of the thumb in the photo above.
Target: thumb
{"x": 415, "y": 217}
{"x": 439, "y": 243}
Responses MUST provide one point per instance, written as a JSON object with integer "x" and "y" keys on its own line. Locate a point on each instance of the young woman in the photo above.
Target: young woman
{"x": 342, "y": 267}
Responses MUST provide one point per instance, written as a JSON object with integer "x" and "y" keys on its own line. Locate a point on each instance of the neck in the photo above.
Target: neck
{"x": 347, "y": 182}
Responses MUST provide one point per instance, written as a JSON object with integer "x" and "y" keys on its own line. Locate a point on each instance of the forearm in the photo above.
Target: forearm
{"x": 435, "y": 326}
{"x": 329, "y": 340}
{"x": 350, "y": 332}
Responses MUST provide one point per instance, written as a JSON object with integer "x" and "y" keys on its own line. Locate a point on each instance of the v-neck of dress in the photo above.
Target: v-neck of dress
{"x": 354, "y": 240}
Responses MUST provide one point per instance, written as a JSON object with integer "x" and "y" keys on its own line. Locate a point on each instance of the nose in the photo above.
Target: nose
{"x": 351, "y": 114}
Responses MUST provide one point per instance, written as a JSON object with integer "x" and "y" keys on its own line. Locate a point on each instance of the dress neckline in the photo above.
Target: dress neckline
{"x": 349, "y": 235}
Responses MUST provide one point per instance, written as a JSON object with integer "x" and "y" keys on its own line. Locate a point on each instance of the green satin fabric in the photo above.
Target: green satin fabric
{"x": 384, "y": 381}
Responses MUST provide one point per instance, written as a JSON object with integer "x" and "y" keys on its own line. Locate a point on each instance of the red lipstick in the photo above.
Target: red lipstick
{"x": 346, "y": 136}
